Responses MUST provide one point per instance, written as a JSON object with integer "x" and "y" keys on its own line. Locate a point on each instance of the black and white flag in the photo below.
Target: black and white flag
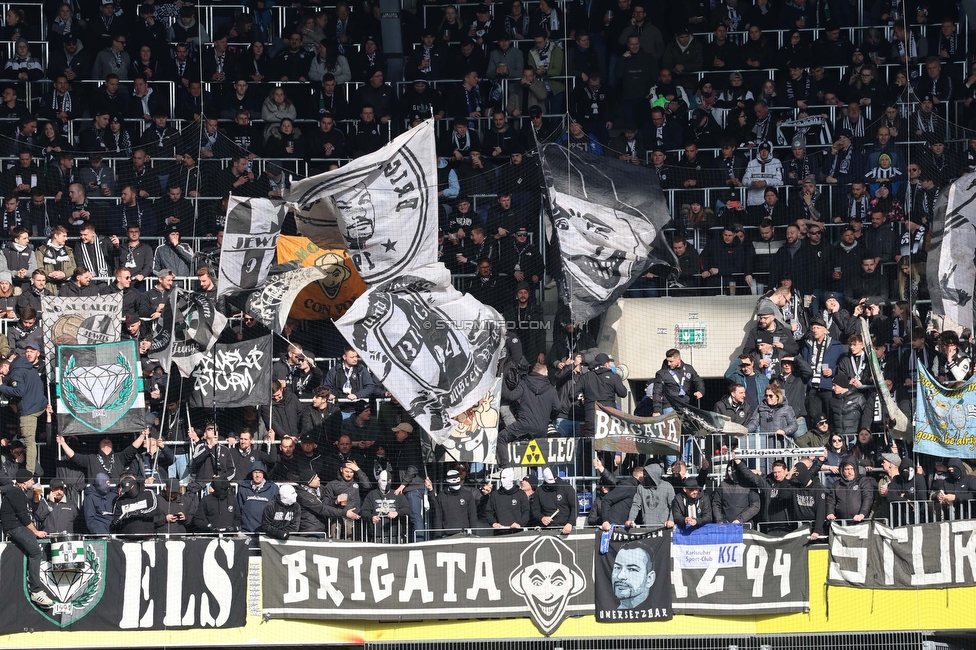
{"x": 197, "y": 327}
{"x": 951, "y": 279}
{"x": 272, "y": 303}
{"x": 250, "y": 241}
{"x": 384, "y": 203}
{"x": 67, "y": 320}
{"x": 607, "y": 215}
{"x": 695, "y": 421}
{"x": 234, "y": 374}
{"x": 434, "y": 348}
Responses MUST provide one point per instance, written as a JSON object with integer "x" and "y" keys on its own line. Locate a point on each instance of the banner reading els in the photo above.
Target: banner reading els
{"x": 331, "y": 296}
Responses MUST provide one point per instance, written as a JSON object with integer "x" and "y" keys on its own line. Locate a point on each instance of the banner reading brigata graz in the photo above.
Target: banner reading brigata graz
{"x": 875, "y": 556}
{"x": 151, "y": 585}
{"x": 545, "y": 577}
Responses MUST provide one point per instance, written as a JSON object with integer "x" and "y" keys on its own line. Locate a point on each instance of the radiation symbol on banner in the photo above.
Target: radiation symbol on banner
{"x": 533, "y": 455}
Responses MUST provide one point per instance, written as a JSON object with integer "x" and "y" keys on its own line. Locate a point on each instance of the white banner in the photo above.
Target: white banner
{"x": 385, "y": 205}
{"x": 435, "y": 349}
{"x": 951, "y": 278}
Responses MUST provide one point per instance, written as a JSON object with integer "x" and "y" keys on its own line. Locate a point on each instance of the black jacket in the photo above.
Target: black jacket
{"x": 615, "y": 506}
{"x": 217, "y": 514}
{"x": 556, "y": 500}
{"x": 315, "y": 510}
{"x": 854, "y": 497}
{"x": 668, "y": 389}
{"x": 135, "y": 515}
{"x": 280, "y": 521}
{"x": 455, "y": 510}
{"x": 506, "y": 507}
{"x": 600, "y": 385}
{"x": 733, "y": 501}
{"x": 537, "y": 400}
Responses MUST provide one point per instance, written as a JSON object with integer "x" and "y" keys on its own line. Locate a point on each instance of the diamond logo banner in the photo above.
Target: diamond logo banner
{"x": 100, "y": 389}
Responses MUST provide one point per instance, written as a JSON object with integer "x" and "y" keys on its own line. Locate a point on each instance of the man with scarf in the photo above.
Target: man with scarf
{"x": 133, "y": 212}
{"x": 218, "y": 511}
{"x": 208, "y": 458}
{"x": 382, "y": 507}
{"x": 508, "y": 507}
{"x": 94, "y": 251}
{"x": 105, "y": 461}
{"x": 151, "y": 459}
{"x": 800, "y": 166}
{"x": 135, "y": 509}
{"x": 797, "y": 89}
{"x": 690, "y": 508}
{"x": 59, "y": 179}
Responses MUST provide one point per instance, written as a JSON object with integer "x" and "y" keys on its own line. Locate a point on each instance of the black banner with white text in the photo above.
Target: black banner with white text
{"x": 545, "y": 577}
{"x": 121, "y": 585}
{"x": 874, "y": 556}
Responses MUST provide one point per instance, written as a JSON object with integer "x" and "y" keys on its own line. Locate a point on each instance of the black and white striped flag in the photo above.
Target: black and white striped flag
{"x": 250, "y": 240}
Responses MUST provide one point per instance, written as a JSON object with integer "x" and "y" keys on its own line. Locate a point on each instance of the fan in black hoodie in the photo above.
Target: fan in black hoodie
{"x": 615, "y": 506}
{"x": 218, "y": 512}
{"x": 537, "y": 400}
{"x": 554, "y": 505}
{"x": 508, "y": 506}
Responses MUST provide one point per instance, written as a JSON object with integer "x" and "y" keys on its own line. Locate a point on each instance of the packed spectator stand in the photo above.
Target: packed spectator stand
{"x": 801, "y": 146}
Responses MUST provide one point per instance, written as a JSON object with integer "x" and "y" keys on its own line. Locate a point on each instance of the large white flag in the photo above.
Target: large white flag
{"x": 384, "y": 204}
{"x": 435, "y": 349}
{"x": 950, "y": 270}
{"x": 250, "y": 240}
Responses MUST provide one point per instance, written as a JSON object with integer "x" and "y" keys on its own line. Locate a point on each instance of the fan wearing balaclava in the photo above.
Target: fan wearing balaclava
{"x": 904, "y": 483}
{"x": 135, "y": 509}
{"x": 386, "y": 512}
{"x": 508, "y": 507}
{"x": 957, "y": 487}
{"x": 219, "y": 511}
{"x": 100, "y": 504}
{"x": 283, "y": 515}
{"x": 455, "y": 507}
{"x": 555, "y": 504}
{"x": 809, "y": 500}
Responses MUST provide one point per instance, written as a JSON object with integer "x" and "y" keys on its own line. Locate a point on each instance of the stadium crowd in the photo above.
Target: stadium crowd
{"x": 802, "y": 147}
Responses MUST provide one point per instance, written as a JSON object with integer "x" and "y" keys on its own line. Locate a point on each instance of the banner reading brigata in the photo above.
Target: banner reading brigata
{"x": 618, "y": 431}
{"x": 544, "y": 577}
{"x": 875, "y": 556}
{"x": 116, "y": 585}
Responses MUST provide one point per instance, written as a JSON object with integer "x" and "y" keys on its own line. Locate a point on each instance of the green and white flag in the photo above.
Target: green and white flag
{"x": 100, "y": 389}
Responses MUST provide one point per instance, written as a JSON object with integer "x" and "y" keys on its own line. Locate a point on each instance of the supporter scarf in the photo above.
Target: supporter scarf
{"x": 55, "y": 255}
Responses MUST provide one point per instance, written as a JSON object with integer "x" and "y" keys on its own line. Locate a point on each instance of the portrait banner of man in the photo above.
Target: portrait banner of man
{"x": 632, "y": 579}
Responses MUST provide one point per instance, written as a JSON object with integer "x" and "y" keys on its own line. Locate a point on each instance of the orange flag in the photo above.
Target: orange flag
{"x": 327, "y": 298}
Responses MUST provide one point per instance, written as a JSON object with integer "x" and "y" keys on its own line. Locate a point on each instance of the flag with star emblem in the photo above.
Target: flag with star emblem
{"x": 607, "y": 216}
{"x": 384, "y": 205}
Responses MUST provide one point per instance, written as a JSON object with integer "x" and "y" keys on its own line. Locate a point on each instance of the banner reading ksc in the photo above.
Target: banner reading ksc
{"x": 115, "y": 585}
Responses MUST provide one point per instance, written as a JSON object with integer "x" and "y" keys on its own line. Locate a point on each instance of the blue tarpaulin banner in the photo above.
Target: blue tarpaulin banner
{"x": 944, "y": 417}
